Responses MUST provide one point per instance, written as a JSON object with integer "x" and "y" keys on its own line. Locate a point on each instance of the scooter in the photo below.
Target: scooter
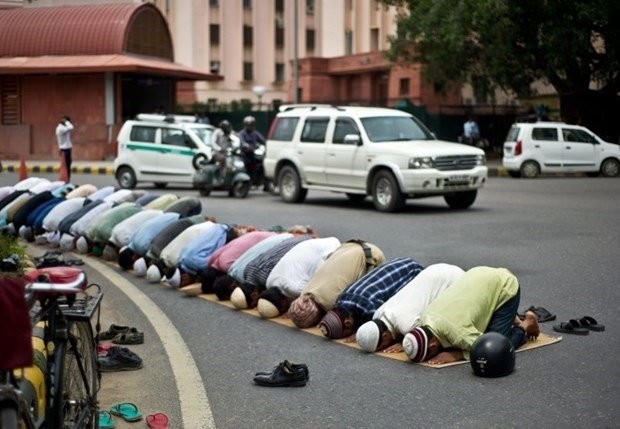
{"x": 208, "y": 176}
{"x": 257, "y": 172}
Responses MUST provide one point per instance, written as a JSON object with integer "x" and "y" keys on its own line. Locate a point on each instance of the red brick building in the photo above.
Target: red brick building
{"x": 98, "y": 64}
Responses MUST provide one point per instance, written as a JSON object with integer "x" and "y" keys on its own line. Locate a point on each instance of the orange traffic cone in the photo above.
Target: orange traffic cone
{"x": 63, "y": 175}
{"x": 23, "y": 171}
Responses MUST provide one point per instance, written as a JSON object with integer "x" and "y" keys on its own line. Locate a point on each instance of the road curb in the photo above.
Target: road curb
{"x": 55, "y": 169}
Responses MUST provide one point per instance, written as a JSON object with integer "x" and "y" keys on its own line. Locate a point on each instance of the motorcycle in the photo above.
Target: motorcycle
{"x": 210, "y": 177}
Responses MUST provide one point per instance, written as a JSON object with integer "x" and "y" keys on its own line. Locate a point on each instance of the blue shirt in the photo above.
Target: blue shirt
{"x": 194, "y": 257}
{"x": 142, "y": 238}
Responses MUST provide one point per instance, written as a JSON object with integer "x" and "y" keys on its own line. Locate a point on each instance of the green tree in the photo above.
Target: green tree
{"x": 572, "y": 44}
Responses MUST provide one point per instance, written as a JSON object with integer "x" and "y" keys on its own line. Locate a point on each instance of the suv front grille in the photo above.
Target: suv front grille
{"x": 458, "y": 162}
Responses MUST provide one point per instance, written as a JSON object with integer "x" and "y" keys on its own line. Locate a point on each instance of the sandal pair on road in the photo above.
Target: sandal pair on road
{"x": 122, "y": 335}
{"x": 130, "y": 413}
{"x": 581, "y": 326}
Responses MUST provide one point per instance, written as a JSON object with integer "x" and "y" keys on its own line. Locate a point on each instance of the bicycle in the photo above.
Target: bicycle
{"x": 63, "y": 304}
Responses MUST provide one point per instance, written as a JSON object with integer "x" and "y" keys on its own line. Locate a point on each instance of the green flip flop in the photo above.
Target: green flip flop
{"x": 105, "y": 420}
{"x": 127, "y": 411}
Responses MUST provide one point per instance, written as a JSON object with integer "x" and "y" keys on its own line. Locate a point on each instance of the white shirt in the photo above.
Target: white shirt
{"x": 298, "y": 265}
{"x": 170, "y": 253}
{"x": 401, "y": 313}
{"x": 61, "y": 211}
{"x": 124, "y": 230}
{"x": 63, "y": 135}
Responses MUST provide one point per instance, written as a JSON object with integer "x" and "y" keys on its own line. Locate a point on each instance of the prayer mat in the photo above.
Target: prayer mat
{"x": 542, "y": 340}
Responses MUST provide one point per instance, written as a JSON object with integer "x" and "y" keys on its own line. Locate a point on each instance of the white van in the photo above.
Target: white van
{"x": 366, "y": 151}
{"x": 160, "y": 149}
{"x": 555, "y": 147}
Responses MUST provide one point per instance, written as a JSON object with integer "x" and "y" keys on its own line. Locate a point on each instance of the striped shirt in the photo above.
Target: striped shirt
{"x": 367, "y": 294}
{"x": 257, "y": 271}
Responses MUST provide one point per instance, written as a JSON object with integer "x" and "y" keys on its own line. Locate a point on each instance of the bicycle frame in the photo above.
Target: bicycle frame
{"x": 63, "y": 306}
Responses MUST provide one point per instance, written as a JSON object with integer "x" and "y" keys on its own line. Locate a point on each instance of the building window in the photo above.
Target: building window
{"x": 10, "y": 107}
{"x": 214, "y": 67}
{"x": 247, "y": 35}
{"x": 348, "y": 42}
{"x": 248, "y": 71}
{"x": 279, "y": 34}
{"x": 214, "y": 3}
{"x": 247, "y": 4}
{"x": 310, "y": 7}
{"x": 279, "y": 5}
{"x": 310, "y": 39}
{"x": 404, "y": 86}
{"x": 214, "y": 34}
{"x": 279, "y": 72}
{"x": 374, "y": 39}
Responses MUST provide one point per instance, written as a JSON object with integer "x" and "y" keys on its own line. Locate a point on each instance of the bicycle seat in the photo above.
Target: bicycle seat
{"x": 56, "y": 280}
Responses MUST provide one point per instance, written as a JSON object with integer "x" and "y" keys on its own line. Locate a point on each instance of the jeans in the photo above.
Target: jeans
{"x": 503, "y": 319}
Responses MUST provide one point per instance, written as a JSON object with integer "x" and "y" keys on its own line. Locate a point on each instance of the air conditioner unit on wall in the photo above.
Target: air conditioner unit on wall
{"x": 214, "y": 67}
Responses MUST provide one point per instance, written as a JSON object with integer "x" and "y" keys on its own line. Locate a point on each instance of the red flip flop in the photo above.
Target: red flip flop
{"x": 157, "y": 421}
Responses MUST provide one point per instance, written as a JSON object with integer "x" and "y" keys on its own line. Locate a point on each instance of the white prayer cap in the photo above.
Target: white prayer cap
{"x": 175, "y": 280}
{"x": 368, "y": 336}
{"x": 139, "y": 267}
{"x": 237, "y": 298}
{"x": 266, "y": 309}
{"x": 81, "y": 245}
{"x": 153, "y": 275}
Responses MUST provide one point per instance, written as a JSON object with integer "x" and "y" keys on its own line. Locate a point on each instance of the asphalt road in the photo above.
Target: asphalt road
{"x": 558, "y": 235}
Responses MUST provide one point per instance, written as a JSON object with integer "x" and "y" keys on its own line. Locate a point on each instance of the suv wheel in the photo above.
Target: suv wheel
{"x": 610, "y": 168}
{"x": 290, "y": 185}
{"x": 126, "y": 178}
{"x": 530, "y": 169}
{"x": 386, "y": 195}
{"x": 461, "y": 200}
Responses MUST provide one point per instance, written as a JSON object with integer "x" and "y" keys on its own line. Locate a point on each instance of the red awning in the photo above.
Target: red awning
{"x": 63, "y": 64}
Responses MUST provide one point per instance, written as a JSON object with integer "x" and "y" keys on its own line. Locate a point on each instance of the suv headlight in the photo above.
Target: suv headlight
{"x": 481, "y": 160}
{"x": 423, "y": 162}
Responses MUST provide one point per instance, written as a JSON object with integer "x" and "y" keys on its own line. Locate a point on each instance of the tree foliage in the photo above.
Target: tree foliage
{"x": 508, "y": 44}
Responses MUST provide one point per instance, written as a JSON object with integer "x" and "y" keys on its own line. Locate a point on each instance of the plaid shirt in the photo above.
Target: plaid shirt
{"x": 367, "y": 294}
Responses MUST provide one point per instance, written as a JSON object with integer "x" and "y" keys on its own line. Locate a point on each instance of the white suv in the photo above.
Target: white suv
{"x": 160, "y": 149}
{"x": 362, "y": 151}
{"x": 550, "y": 147}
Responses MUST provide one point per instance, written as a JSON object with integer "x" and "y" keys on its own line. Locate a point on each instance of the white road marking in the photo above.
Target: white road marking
{"x": 195, "y": 408}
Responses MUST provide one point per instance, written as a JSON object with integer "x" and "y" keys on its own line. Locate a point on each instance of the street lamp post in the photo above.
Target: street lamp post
{"x": 259, "y": 91}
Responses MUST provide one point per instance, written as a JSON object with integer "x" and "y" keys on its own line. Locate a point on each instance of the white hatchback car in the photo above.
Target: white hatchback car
{"x": 360, "y": 151}
{"x": 160, "y": 149}
{"x": 551, "y": 147}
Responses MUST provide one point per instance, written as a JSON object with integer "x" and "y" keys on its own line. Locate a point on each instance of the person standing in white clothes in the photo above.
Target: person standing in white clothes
{"x": 63, "y": 136}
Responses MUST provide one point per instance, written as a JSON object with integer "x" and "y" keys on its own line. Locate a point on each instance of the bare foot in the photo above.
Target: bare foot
{"x": 394, "y": 348}
{"x": 530, "y": 325}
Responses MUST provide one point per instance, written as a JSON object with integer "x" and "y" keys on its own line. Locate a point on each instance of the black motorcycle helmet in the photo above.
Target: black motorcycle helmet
{"x": 492, "y": 355}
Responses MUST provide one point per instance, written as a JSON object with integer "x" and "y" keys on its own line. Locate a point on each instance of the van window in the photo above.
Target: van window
{"x": 314, "y": 130}
{"x": 344, "y": 126}
{"x": 513, "y": 134}
{"x": 547, "y": 134}
{"x": 175, "y": 137}
{"x": 579, "y": 136}
{"x": 143, "y": 134}
{"x": 284, "y": 128}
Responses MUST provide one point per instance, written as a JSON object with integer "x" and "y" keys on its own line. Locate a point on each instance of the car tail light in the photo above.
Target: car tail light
{"x": 518, "y": 148}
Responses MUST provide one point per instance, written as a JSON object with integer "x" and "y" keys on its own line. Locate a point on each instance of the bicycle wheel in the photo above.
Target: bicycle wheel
{"x": 75, "y": 404}
{"x": 8, "y": 418}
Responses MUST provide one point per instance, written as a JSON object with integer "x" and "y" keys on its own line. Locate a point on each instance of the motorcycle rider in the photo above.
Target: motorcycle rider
{"x": 251, "y": 140}
{"x": 223, "y": 140}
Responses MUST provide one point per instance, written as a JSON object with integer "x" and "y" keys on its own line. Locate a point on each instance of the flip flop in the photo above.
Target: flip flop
{"x": 128, "y": 411}
{"x": 591, "y": 324}
{"x": 105, "y": 420}
{"x": 157, "y": 421}
{"x": 571, "y": 327}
